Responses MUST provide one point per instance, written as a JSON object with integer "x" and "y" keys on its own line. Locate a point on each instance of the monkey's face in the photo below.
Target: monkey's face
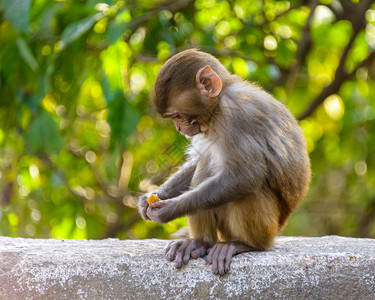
{"x": 189, "y": 106}
{"x": 185, "y": 124}
{"x": 185, "y": 109}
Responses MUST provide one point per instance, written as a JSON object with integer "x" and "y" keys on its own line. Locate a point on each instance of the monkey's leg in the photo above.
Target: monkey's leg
{"x": 247, "y": 225}
{"x": 202, "y": 230}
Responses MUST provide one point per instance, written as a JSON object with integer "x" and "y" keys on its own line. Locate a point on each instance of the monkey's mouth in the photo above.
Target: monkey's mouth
{"x": 193, "y": 131}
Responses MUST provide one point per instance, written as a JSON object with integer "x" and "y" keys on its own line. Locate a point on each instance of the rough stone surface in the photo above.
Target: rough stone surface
{"x": 297, "y": 268}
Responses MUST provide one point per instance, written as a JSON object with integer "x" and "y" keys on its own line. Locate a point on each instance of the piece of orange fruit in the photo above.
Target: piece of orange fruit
{"x": 152, "y": 198}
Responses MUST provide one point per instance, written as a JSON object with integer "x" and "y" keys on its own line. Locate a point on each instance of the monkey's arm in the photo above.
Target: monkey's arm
{"x": 212, "y": 192}
{"x": 179, "y": 182}
{"x": 173, "y": 187}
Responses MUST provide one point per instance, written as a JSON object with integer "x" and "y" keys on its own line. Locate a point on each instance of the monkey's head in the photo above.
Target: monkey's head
{"x": 187, "y": 89}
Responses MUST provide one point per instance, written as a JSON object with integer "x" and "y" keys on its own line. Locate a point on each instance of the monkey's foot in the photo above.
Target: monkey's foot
{"x": 181, "y": 251}
{"x": 220, "y": 255}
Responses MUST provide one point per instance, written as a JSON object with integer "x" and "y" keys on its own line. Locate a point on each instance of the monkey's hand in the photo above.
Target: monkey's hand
{"x": 143, "y": 205}
{"x": 162, "y": 211}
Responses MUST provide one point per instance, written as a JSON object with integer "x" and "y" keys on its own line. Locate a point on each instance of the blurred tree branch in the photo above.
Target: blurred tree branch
{"x": 304, "y": 46}
{"x": 120, "y": 226}
{"x": 292, "y": 7}
{"x": 62, "y": 176}
{"x": 341, "y": 75}
{"x": 172, "y": 6}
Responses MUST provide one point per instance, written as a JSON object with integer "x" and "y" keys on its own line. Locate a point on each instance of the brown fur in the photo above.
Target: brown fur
{"x": 248, "y": 172}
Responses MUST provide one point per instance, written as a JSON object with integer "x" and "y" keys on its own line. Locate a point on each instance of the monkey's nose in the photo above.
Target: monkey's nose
{"x": 177, "y": 126}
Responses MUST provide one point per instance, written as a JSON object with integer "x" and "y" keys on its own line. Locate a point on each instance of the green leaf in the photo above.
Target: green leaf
{"x": 76, "y": 30}
{"x": 43, "y": 136}
{"x": 115, "y": 30}
{"x": 122, "y": 117}
{"x": 26, "y": 54}
{"x": 17, "y": 12}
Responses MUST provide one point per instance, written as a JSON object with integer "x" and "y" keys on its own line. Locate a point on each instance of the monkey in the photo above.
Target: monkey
{"x": 247, "y": 166}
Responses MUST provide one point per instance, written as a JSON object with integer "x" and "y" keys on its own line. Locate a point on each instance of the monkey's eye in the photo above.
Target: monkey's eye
{"x": 177, "y": 117}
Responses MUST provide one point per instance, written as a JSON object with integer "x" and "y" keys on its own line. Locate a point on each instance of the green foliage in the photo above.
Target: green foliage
{"x": 42, "y": 135}
{"x": 122, "y": 118}
{"x": 79, "y": 140}
{"x": 17, "y": 12}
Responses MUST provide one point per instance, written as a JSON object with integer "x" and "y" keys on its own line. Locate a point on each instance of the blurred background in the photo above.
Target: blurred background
{"x": 79, "y": 140}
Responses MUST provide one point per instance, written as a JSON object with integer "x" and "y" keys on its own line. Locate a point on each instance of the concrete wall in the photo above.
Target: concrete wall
{"x": 297, "y": 268}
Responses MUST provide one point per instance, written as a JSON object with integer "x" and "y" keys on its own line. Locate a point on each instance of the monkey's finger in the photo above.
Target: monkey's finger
{"x": 148, "y": 211}
{"x": 190, "y": 247}
{"x": 215, "y": 258}
{"x": 228, "y": 257}
{"x": 153, "y": 214}
{"x": 144, "y": 212}
{"x": 158, "y": 204}
{"x": 210, "y": 252}
{"x": 221, "y": 259}
{"x": 209, "y": 255}
{"x": 171, "y": 254}
{"x": 179, "y": 254}
{"x": 170, "y": 244}
{"x": 199, "y": 252}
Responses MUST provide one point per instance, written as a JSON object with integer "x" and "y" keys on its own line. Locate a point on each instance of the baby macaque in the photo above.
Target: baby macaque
{"x": 247, "y": 167}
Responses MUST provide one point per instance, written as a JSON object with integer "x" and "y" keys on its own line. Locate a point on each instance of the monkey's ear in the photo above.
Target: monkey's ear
{"x": 208, "y": 82}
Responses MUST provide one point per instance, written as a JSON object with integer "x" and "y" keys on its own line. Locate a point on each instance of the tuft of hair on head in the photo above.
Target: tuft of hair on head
{"x": 178, "y": 73}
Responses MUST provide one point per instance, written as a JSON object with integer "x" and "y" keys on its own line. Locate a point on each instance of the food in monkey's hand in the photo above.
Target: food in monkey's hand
{"x": 152, "y": 199}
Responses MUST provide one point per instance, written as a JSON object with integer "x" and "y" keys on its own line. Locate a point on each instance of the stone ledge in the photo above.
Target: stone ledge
{"x": 329, "y": 267}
